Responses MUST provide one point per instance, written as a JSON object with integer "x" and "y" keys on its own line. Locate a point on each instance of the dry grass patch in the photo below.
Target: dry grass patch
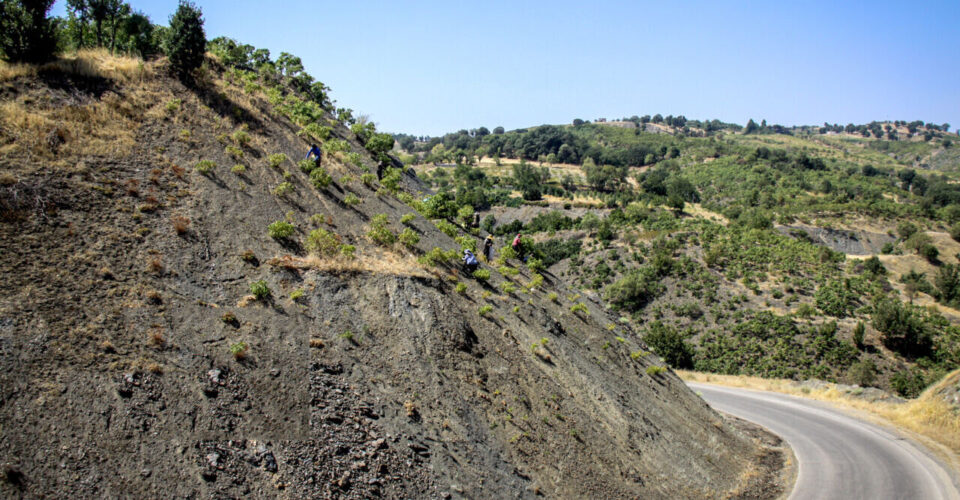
{"x": 379, "y": 263}
{"x": 928, "y": 416}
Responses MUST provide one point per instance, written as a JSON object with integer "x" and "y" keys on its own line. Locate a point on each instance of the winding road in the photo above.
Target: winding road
{"x": 838, "y": 456}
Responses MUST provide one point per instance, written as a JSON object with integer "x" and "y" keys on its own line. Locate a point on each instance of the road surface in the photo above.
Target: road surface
{"x": 838, "y": 456}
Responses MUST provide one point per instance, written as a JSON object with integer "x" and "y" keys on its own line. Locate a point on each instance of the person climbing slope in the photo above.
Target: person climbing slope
{"x": 315, "y": 151}
{"x": 518, "y": 248}
{"x": 470, "y": 261}
{"x": 488, "y": 248}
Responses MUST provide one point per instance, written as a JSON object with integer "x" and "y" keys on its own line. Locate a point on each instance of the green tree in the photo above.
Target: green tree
{"x": 669, "y": 345}
{"x": 26, "y": 33}
{"x": 902, "y": 327}
{"x": 858, "y": 333}
{"x": 526, "y": 178}
{"x": 751, "y": 127}
{"x": 187, "y": 39}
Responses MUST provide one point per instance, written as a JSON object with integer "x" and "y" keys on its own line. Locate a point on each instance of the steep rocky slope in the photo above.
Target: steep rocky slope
{"x": 133, "y": 362}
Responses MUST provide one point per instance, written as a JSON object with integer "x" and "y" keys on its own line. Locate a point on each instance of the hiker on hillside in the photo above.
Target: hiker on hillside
{"x": 470, "y": 261}
{"x": 488, "y": 247}
{"x": 518, "y": 248}
{"x": 315, "y": 151}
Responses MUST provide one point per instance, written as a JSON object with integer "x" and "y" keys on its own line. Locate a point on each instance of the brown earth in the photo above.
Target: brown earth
{"x": 125, "y": 304}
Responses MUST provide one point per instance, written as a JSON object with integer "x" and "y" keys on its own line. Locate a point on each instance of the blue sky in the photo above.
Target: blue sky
{"x": 432, "y": 67}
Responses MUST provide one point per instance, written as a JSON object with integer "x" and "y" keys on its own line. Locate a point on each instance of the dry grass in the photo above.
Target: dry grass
{"x": 927, "y": 416}
{"x": 100, "y": 127}
{"x": 380, "y": 263}
{"x": 89, "y": 63}
{"x": 180, "y": 224}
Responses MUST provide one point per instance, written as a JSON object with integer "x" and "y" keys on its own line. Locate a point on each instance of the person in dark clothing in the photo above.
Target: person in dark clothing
{"x": 470, "y": 261}
{"x": 488, "y": 248}
{"x": 380, "y": 171}
{"x": 316, "y": 152}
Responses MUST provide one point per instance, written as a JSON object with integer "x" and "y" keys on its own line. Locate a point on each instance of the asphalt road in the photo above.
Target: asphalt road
{"x": 838, "y": 456}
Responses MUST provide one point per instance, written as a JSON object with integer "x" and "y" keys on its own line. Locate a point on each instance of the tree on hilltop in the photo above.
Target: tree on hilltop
{"x": 26, "y": 33}
{"x": 188, "y": 42}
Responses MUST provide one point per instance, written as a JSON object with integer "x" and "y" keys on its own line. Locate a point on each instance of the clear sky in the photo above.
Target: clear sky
{"x": 431, "y": 67}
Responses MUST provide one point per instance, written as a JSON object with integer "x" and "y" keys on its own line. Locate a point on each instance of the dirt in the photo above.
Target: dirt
{"x": 117, "y": 334}
{"x": 840, "y": 240}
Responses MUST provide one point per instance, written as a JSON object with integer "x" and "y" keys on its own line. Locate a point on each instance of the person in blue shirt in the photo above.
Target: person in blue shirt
{"x": 315, "y": 151}
{"x": 470, "y": 261}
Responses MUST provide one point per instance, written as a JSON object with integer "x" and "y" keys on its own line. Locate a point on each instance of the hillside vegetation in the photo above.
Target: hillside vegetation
{"x": 190, "y": 309}
{"x": 803, "y": 252}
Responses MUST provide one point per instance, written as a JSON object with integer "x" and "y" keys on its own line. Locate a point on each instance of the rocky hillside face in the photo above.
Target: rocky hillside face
{"x": 157, "y": 341}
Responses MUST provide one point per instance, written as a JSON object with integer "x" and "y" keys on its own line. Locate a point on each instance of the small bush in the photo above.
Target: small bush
{"x": 239, "y": 350}
{"x": 481, "y": 275}
{"x": 320, "y": 178}
{"x": 351, "y": 199}
{"x": 507, "y": 287}
{"x": 379, "y": 232}
{"x": 409, "y": 237}
{"x": 307, "y": 165}
{"x": 485, "y": 309}
{"x": 241, "y": 137}
{"x": 238, "y": 169}
{"x": 580, "y": 308}
{"x": 173, "y": 105}
{"x": 180, "y": 224}
{"x": 407, "y": 219}
{"x": 858, "y": 334}
{"x": 553, "y": 297}
{"x": 447, "y": 228}
{"x": 275, "y": 160}
{"x": 282, "y": 189}
{"x": 296, "y": 294}
{"x": 535, "y": 265}
{"x": 234, "y": 152}
{"x": 205, "y": 167}
{"x": 461, "y": 288}
{"x": 535, "y": 282}
{"x": 437, "y": 256}
{"x": 323, "y": 242}
{"x": 280, "y": 230}
{"x": 348, "y": 251}
{"x": 260, "y": 290}
{"x": 654, "y": 370}
{"x": 368, "y": 180}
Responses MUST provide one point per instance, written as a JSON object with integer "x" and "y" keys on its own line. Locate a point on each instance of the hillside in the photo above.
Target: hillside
{"x": 804, "y": 252}
{"x": 190, "y": 311}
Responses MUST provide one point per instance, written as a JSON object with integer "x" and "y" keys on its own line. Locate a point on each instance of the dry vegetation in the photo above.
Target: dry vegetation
{"x": 387, "y": 263}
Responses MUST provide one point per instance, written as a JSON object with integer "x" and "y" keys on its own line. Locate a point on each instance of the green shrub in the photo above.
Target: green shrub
{"x": 461, "y": 288}
{"x": 654, "y": 370}
{"x": 260, "y": 289}
{"x": 172, "y": 106}
{"x": 205, "y": 167}
{"x": 669, "y": 345}
{"x": 902, "y": 327}
{"x": 437, "y": 256}
{"x": 908, "y": 383}
{"x": 379, "y": 232}
{"x": 280, "y": 230}
{"x": 535, "y": 265}
{"x": 275, "y": 160}
{"x": 955, "y": 231}
{"x": 296, "y": 294}
{"x": 409, "y": 237}
{"x": 348, "y": 251}
{"x": 239, "y": 350}
{"x": 485, "y": 309}
{"x": 235, "y": 152}
{"x": 240, "y": 137}
{"x": 351, "y": 199}
{"x": 320, "y": 178}
{"x": 580, "y": 308}
{"x": 467, "y": 243}
{"x": 238, "y": 169}
{"x": 553, "y": 297}
{"x": 368, "y": 180}
{"x": 507, "y": 287}
{"x": 407, "y": 219}
{"x": 929, "y": 252}
{"x": 307, "y": 165}
{"x": 863, "y": 373}
{"x": 282, "y": 189}
{"x": 447, "y": 228}
{"x": 635, "y": 290}
{"x": 481, "y": 275}
{"x": 858, "y": 334}
{"x": 535, "y": 282}
{"x": 323, "y": 242}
